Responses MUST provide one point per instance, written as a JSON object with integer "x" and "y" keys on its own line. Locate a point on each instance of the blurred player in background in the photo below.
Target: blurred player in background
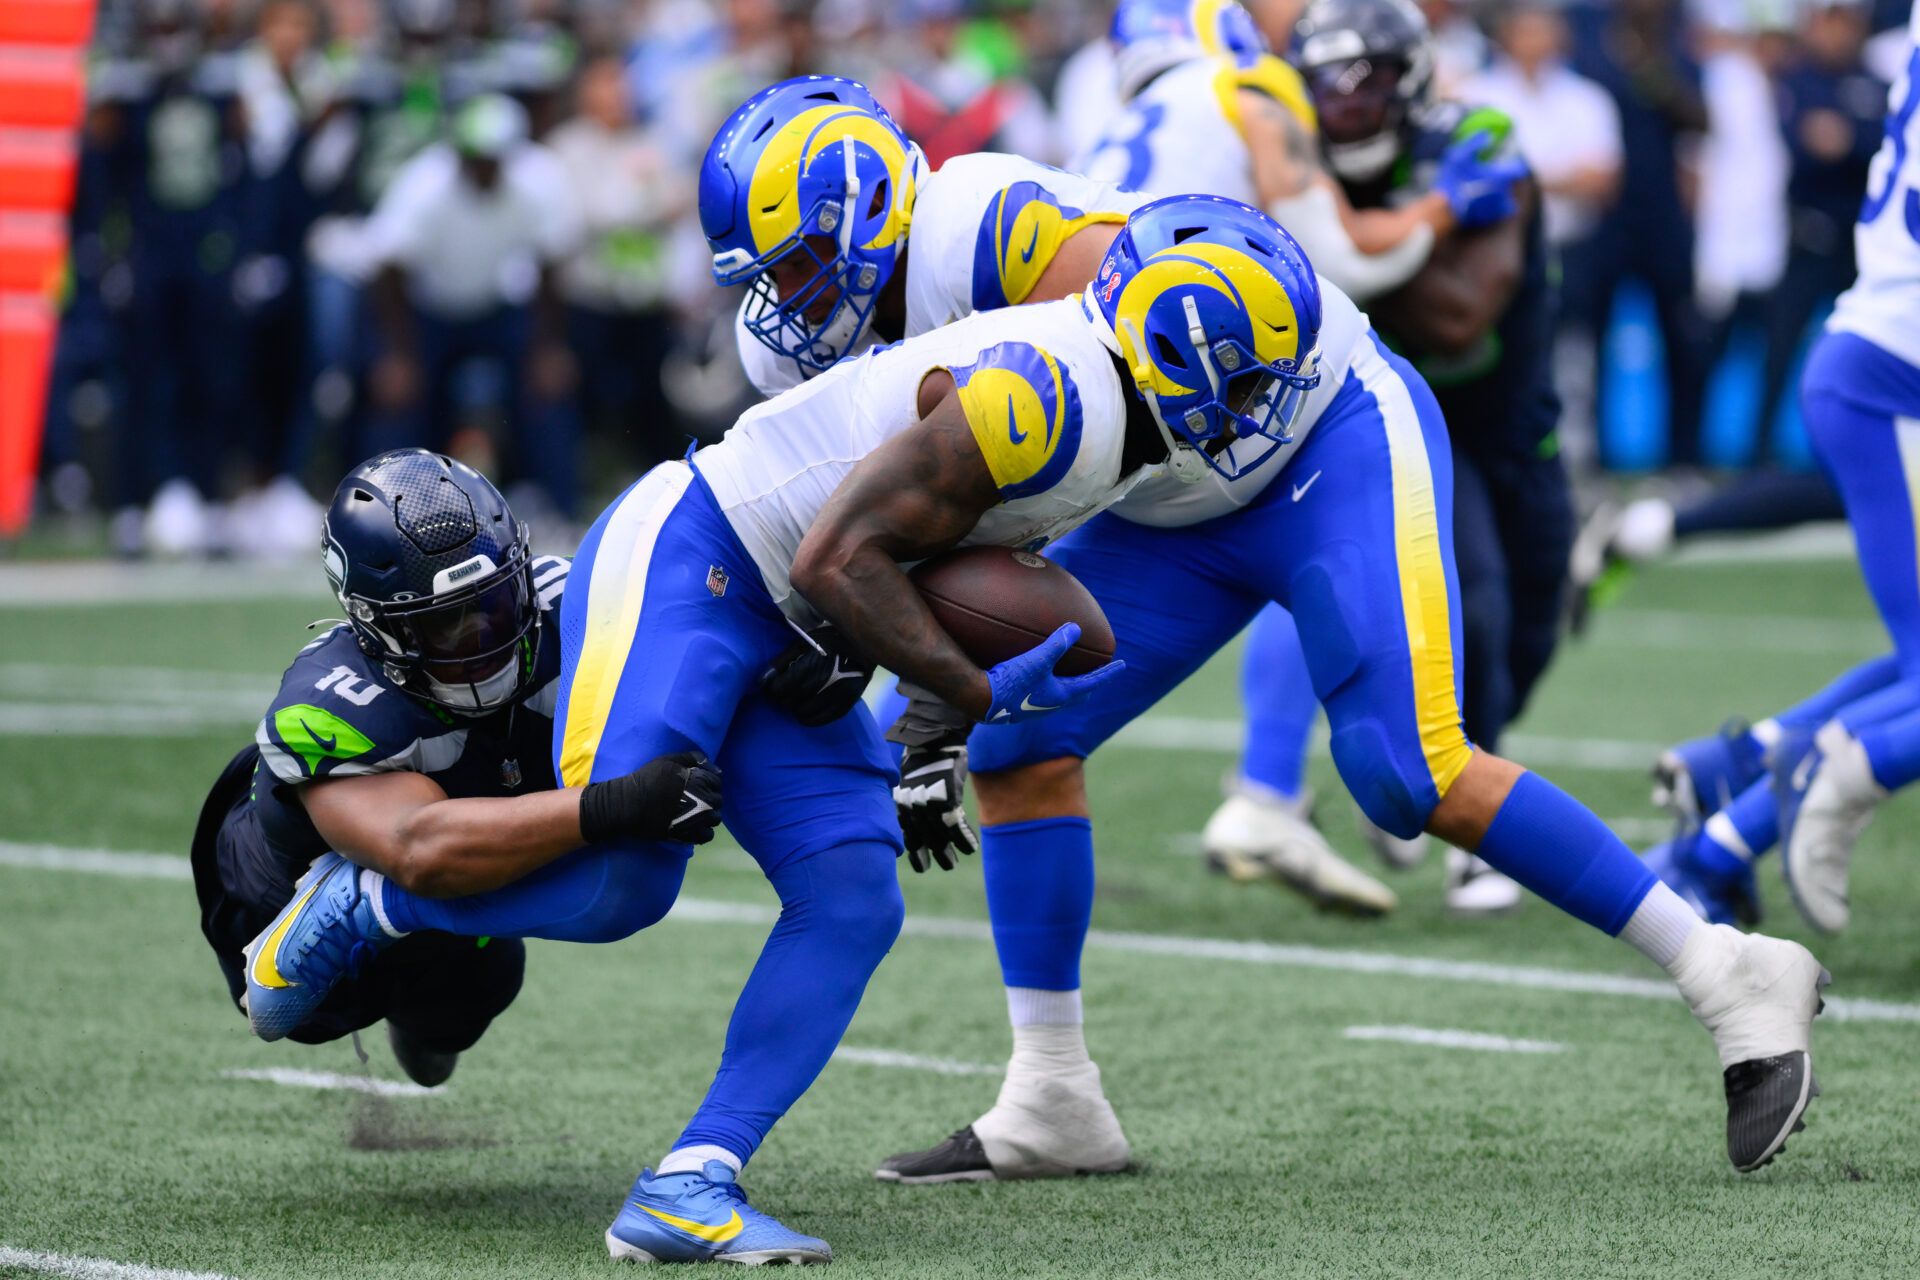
{"x": 1811, "y": 777}
{"x": 415, "y": 740}
{"x": 1210, "y": 109}
{"x": 1476, "y": 319}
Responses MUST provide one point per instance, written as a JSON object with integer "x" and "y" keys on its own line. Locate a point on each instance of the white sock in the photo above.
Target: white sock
{"x": 1660, "y": 926}
{"x": 1029, "y": 1005}
{"x": 1767, "y": 734}
{"x": 374, "y": 886}
{"x": 694, "y": 1159}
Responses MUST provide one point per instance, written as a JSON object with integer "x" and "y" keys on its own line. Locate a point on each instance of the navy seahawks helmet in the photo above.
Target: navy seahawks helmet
{"x": 1369, "y": 66}
{"x": 435, "y": 575}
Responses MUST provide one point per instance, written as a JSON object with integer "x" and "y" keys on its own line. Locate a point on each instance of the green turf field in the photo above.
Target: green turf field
{"x": 1269, "y": 1140}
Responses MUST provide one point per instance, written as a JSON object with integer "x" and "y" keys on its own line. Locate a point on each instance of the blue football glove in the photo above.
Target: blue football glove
{"x": 1026, "y": 686}
{"x": 1480, "y": 191}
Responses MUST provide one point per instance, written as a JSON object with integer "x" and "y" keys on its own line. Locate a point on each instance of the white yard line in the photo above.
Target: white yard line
{"x": 1447, "y": 1038}
{"x": 1202, "y": 733}
{"x": 62, "y": 1264}
{"x": 1674, "y": 630}
{"x": 1278, "y": 955}
{"x": 69, "y": 583}
{"x": 293, "y": 1079}
{"x": 914, "y": 1062}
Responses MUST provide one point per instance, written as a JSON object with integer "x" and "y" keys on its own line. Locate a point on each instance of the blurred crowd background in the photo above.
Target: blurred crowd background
{"x": 306, "y": 230}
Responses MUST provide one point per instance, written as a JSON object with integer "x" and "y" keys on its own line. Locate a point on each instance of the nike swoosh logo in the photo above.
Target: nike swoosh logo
{"x": 713, "y": 1234}
{"x": 1028, "y": 704}
{"x": 699, "y": 807}
{"x": 1299, "y": 490}
{"x": 266, "y": 961}
{"x": 1803, "y": 772}
{"x": 1026, "y": 255}
{"x": 325, "y": 744}
{"x": 1014, "y": 433}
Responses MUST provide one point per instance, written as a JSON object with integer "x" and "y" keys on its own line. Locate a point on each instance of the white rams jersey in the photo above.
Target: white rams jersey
{"x": 1183, "y": 132}
{"x": 1039, "y": 389}
{"x": 1883, "y": 306}
{"x": 985, "y": 228}
{"x": 1166, "y": 501}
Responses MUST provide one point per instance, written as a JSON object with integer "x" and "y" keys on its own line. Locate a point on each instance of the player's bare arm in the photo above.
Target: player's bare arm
{"x": 404, "y": 826}
{"x": 1286, "y": 161}
{"x": 916, "y": 495}
{"x": 1464, "y": 288}
{"x": 1075, "y": 262}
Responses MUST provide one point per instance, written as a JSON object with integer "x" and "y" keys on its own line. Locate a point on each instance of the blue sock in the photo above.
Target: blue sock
{"x": 598, "y": 894}
{"x": 1870, "y": 677}
{"x": 1552, "y": 844}
{"x": 1877, "y": 708}
{"x": 1280, "y": 703}
{"x": 839, "y": 913}
{"x": 1742, "y": 831}
{"x": 1039, "y": 878}
{"x": 1893, "y": 750}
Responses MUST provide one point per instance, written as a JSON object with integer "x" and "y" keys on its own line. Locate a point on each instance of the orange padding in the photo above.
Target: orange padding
{"x": 33, "y": 248}
{"x": 26, "y": 345}
{"x": 41, "y": 88}
{"x": 67, "y": 23}
{"x": 36, "y": 169}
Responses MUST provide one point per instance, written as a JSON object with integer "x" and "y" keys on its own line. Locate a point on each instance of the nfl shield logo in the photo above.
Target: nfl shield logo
{"x": 510, "y": 774}
{"x": 716, "y": 580}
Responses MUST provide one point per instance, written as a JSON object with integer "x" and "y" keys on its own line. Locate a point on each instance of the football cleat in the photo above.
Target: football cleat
{"x": 1400, "y": 854}
{"x": 960, "y": 1158}
{"x": 325, "y": 933}
{"x": 1697, "y": 779}
{"x": 1827, "y": 795}
{"x": 1719, "y": 894}
{"x": 1476, "y": 889}
{"x": 1758, "y": 996}
{"x": 703, "y": 1217}
{"x": 428, "y": 1068}
{"x": 1254, "y": 837}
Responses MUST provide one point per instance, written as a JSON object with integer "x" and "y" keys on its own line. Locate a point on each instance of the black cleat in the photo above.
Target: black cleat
{"x": 426, "y": 1067}
{"x": 1766, "y": 1099}
{"x": 960, "y": 1158}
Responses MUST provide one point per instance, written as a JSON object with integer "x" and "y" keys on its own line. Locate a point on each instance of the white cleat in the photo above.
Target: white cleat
{"x": 1044, "y": 1125}
{"x": 1758, "y": 996}
{"x": 1400, "y": 854}
{"x": 1476, "y": 889}
{"x": 1818, "y": 855}
{"x": 1254, "y": 837}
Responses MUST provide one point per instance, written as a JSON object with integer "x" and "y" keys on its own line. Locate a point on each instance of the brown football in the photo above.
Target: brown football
{"x": 998, "y": 603}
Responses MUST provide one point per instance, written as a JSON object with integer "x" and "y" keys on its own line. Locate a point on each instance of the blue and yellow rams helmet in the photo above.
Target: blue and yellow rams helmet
{"x": 812, "y": 167}
{"x": 1216, "y": 313}
{"x": 1149, "y": 36}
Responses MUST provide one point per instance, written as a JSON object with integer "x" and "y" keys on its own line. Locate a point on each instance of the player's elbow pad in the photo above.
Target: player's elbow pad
{"x": 1313, "y": 217}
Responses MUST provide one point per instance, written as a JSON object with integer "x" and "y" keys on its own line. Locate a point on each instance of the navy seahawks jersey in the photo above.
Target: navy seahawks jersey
{"x": 1499, "y": 395}
{"x": 338, "y": 716}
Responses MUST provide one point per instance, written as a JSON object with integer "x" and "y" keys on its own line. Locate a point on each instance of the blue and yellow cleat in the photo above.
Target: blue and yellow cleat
{"x": 1697, "y": 779}
{"x": 325, "y": 933}
{"x": 703, "y": 1217}
{"x": 1721, "y": 894}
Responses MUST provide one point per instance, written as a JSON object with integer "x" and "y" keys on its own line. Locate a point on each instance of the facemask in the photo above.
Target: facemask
{"x": 479, "y": 697}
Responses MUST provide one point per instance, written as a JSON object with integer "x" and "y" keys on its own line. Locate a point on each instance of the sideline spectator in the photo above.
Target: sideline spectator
{"x": 470, "y": 238}
{"x": 1638, "y": 51}
{"x": 617, "y": 283}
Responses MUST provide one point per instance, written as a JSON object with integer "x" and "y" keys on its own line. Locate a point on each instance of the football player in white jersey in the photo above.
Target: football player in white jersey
{"x": 1209, "y": 108}
{"x": 871, "y": 246}
{"x": 1371, "y": 512}
{"x": 1810, "y": 777}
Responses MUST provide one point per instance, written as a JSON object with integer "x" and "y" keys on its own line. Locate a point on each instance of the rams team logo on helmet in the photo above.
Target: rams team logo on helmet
{"x": 812, "y": 167}
{"x": 1025, "y": 415}
{"x": 1150, "y": 36}
{"x": 1023, "y": 228}
{"x": 1216, "y": 313}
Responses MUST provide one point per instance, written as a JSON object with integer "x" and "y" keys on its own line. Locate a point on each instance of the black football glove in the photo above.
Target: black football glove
{"x": 931, "y": 794}
{"x": 675, "y": 797}
{"x": 818, "y": 679}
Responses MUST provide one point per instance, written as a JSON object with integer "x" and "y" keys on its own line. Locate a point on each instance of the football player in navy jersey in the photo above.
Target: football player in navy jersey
{"x": 416, "y": 740}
